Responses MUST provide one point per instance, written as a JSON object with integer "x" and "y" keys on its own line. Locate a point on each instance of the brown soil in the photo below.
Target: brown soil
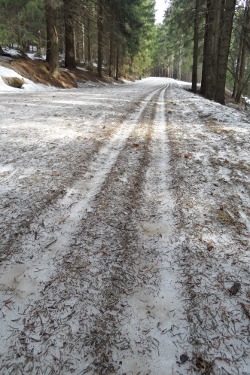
{"x": 38, "y": 71}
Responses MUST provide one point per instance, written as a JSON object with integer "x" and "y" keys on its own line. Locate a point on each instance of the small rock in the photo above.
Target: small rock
{"x": 210, "y": 247}
{"x": 184, "y": 358}
{"x": 234, "y": 288}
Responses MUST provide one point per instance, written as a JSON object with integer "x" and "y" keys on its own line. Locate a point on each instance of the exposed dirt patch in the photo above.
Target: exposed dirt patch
{"x": 38, "y": 72}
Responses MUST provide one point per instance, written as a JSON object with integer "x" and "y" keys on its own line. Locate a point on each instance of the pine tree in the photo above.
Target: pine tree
{"x": 224, "y": 46}
{"x": 22, "y": 23}
{"x": 196, "y": 46}
{"x": 219, "y": 24}
{"x": 240, "y": 64}
{"x": 69, "y": 10}
{"x": 100, "y": 21}
{"x": 52, "y": 56}
{"x": 176, "y": 40}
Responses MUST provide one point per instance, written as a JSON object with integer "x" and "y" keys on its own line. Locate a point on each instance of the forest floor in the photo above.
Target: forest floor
{"x": 37, "y": 71}
{"x": 124, "y": 226}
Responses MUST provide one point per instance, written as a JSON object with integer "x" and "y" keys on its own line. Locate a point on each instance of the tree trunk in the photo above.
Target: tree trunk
{"x": 111, "y": 46}
{"x": 236, "y": 77}
{"x": 241, "y": 78}
{"x": 100, "y": 37}
{"x": 70, "y": 60}
{"x": 207, "y": 70}
{"x": 224, "y": 46}
{"x": 204, "y": 61}
{"x": 80, "y": 50}
{"x": 52, "y": 56}
{"x": 211, "y": 43}
{"x": 117, "y": 63}
{"x": 88, "y": 43}
{"x": 79, "y": 43}
{"x": 219, "y": 22}
{"x": 196, "y": 46}
{"x": 180, "y": 64}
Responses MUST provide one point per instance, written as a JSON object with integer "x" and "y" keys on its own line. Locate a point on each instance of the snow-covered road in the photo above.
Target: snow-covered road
{"x": 121, "y": 210}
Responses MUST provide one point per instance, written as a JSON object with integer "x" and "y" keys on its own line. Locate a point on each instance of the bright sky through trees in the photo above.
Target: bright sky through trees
{"x": 160, "y": 7}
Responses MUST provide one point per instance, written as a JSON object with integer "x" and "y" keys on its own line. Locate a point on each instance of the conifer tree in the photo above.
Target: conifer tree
{"x": 219, "y": 24}
{"x": 69, "y": 10}
{"x": 52, "y": 56}
{"x": 240, "y": 62}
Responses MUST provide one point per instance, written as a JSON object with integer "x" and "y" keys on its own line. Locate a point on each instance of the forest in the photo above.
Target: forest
{"x": 124, "y": 187}
{"x": 205, "y": 41}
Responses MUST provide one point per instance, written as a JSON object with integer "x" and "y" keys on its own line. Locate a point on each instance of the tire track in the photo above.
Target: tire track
{"x": 54, "y": 232}
{"x": 47, "y": 155}
{"x": 153, "y": 311}
{"x": 123, "y": 318}
{"x": 124, "y": 255}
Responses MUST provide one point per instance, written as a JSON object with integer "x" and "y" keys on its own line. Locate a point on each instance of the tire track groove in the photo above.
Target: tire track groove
{"x": 55, "y": 229}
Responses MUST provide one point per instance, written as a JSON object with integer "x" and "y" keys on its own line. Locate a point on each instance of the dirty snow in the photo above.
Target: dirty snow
{"x": 124, "y": 221}
{"x": 11, "y": 51}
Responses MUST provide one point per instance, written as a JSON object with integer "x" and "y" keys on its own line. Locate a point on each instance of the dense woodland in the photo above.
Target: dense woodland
{"x": 205, "y": 41}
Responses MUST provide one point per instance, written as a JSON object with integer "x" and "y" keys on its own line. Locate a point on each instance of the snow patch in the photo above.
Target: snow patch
{"x": 28, "y": 85}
